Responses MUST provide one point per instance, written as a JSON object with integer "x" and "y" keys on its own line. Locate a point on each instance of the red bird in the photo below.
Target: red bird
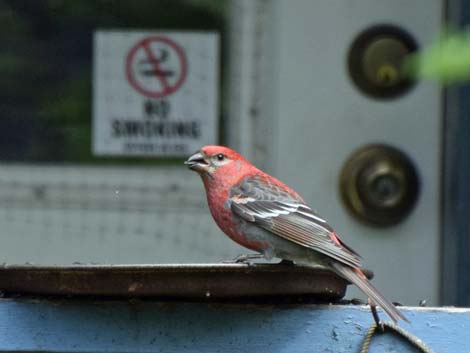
{"x": 262, "y": 214}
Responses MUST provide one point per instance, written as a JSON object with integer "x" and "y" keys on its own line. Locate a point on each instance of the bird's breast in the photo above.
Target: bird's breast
{"x": 231, "y": 225}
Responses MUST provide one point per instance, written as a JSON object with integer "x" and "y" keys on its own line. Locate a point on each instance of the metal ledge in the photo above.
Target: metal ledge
{"x": 193, "y": 282}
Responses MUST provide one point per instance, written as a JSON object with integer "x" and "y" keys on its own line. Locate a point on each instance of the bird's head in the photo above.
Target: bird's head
{"x": 213, "y": 161}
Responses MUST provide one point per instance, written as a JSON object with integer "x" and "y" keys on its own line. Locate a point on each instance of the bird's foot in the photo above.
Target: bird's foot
{"x": 285, "y": 262}
{"x": 244, "y": 259}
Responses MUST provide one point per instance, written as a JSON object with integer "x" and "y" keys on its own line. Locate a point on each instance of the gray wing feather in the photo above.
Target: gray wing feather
{"x": 257, "y": 201}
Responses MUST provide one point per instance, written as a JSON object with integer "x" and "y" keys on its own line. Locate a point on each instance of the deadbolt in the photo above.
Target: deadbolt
{"x": 375, "y": 61}
{"x": 379, "y": 185}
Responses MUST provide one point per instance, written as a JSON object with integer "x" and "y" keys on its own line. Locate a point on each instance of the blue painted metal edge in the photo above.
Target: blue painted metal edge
{"x": 145, "y": 326}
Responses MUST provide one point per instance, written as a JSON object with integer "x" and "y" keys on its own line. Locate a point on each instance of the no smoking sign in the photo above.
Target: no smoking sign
{"x": 156, "y": 66}
{"x": 154, "y": 93}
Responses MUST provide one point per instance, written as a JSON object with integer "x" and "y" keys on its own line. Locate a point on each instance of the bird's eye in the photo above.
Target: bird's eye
{"x": 220, "y": 157}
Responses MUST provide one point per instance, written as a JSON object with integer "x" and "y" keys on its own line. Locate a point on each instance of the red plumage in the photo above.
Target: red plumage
{"x": 261, "y": 213}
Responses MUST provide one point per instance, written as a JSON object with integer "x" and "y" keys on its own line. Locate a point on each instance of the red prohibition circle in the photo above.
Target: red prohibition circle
{"x": 168, "y": 89}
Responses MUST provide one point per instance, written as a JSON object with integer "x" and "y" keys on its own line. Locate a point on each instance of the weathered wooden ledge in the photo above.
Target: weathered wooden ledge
{"x": 200, "y": 308}
{"x": 84, "y": 325}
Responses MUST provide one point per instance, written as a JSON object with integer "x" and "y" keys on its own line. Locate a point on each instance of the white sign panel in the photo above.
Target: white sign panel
{"x": 154, "y": 93}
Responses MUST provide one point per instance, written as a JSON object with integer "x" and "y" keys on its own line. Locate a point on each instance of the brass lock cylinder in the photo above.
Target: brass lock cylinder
{"x": 375, "y": 61}
{"x": 379, "y": 185}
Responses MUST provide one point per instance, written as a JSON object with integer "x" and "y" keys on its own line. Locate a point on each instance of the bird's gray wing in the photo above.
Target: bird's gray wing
{"x": 258, "y": 201}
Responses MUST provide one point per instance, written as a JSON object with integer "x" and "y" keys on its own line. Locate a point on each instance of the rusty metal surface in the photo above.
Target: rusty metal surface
{"x": 186, "y": 282}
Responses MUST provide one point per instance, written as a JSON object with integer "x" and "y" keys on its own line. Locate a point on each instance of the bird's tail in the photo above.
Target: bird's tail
{"x": 357, "y": 277}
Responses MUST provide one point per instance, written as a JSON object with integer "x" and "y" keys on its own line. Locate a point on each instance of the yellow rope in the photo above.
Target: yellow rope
{"x": 418, "y": 343}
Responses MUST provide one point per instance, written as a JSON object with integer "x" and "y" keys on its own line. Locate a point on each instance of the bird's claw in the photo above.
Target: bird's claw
{"x": 244, "y": 259}
{"x": 285, "y": 262}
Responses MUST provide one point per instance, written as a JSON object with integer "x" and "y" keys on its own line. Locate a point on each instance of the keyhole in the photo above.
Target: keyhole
{"x": 387, "y": 75}
{"x": 385, "y": 189}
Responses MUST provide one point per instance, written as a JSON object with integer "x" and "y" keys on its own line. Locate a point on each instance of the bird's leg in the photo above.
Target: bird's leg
{"x": 245, "y": 259}
{"x": 375, "y": 315}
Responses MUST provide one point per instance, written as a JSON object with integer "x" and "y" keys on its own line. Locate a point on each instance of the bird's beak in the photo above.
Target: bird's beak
{"x": 197, "y": 162}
